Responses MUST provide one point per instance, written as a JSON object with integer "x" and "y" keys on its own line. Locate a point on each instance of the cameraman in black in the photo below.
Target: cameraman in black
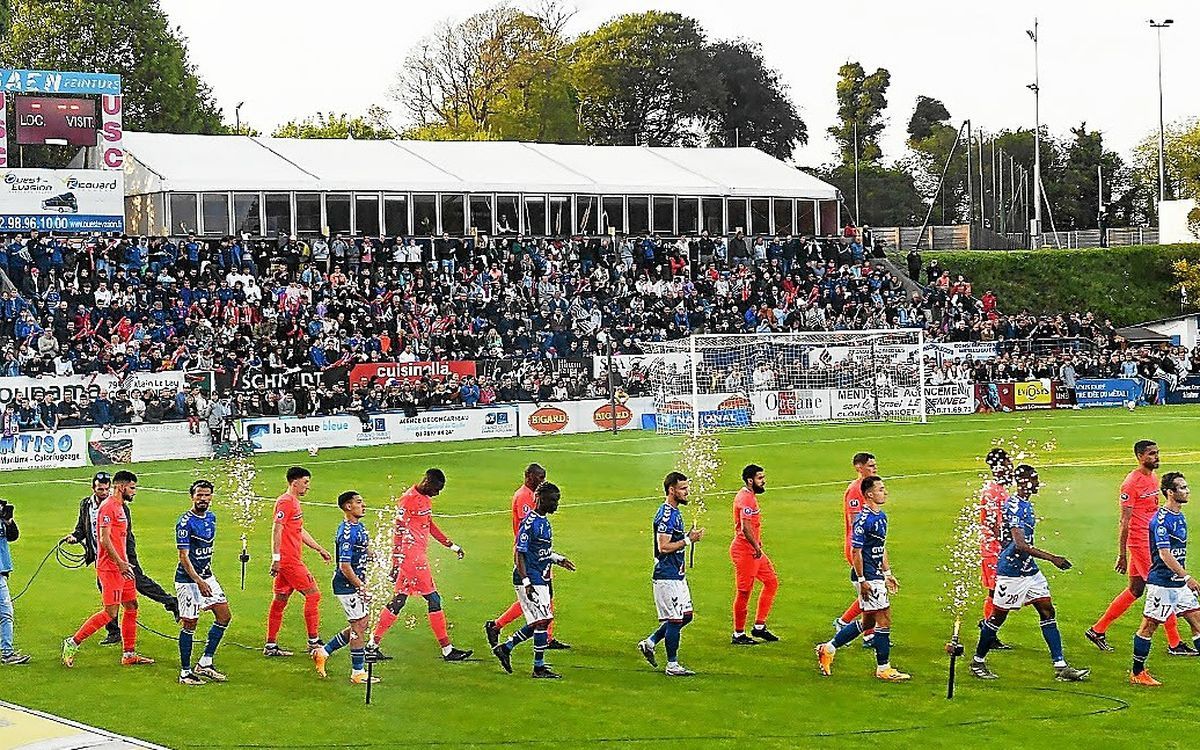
{"x": 9, "y": 532}
{"x": 85, "y": 534}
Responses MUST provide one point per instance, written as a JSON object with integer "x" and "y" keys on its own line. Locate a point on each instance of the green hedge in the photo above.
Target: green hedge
{"x": 1127, "y": 284}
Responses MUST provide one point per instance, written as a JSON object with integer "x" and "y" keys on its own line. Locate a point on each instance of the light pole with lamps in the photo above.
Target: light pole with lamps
{"x": 237, "y": 118}
{"x": 1162, "y": 163}
{"x": 1037, "y": 143}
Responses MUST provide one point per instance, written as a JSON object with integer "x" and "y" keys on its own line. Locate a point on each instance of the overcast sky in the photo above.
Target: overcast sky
{"x": 1098, "y": 63}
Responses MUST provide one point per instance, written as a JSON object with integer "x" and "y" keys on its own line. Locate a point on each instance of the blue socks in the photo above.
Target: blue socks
{"x": 987, "y": 638}
{"x": 358, "y": 659}
{"x": 540, "y": 639}
{"x": 336, "y": 642}
{"x": 1053, "y": 640}
{"x": 1141, "y": 652}
{"x": 215, "y": 634}
{"x": 185, "y": 649}
{"x": 847, "y": 634}
{"x": 520, "y": 636}
{"x": 883, "y": 645}
{"x": 672, "y": 639}
{"x": 658, "y": 635}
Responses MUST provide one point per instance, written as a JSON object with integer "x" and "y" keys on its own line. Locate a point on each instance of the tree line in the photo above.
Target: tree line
{"x": 652, "y": 78}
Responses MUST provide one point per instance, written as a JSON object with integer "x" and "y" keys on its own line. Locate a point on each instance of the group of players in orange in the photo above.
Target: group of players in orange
{"x": 1005, "y": 526}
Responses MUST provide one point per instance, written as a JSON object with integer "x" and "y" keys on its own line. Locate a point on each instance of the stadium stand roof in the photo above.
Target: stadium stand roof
{"x": 166, "y": 162}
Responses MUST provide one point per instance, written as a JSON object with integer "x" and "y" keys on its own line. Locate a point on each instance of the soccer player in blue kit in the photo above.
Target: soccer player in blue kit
{"x": 196, "y": 587}
{"x": 671, "y": 595}
{"x": 871, "y": 574}
{"x": 1170, "y": 589}
{"x": 350, "y": 587}
{"x": 1019, "y": 582}
{"x": 533, "y": 557}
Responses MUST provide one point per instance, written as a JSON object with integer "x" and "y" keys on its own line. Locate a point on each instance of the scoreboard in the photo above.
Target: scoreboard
{"x": 56, "y": 120}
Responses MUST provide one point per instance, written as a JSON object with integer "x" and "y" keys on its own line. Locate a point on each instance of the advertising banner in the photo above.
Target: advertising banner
{"x": 1107, "y": 391}
{"x": 386, "y": 371}
{"x": 43, "y": 450}
{"x": 62, "y": 200}
{"x": 3, "y": 132}
{"x": 452, "y": 424}
{"x": 880, "y": 402}
{"x": 1187, "y": 391}
{"x": 134, "y": 443}
{"x": 791, "y": 405}
{"x": 79, "y": 385}
{"x": 573, "y": 417}
{"x": 306, "y": 379}
{"x": 950, "y": 398}
{"x": 58, "y": 82}
{"x": 1033, "y": 394}
{"x": 623, "y": 364}
{"x": 964, "y": 350}
{"x": 271, "y": 434}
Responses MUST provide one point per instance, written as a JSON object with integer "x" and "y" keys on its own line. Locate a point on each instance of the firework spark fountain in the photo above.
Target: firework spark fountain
{"x": 700, "y": 460}
{"x": 236, "y": 492}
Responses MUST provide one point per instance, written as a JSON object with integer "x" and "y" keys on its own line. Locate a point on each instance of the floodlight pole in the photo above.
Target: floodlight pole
{"x": 1162, "y": 162}
{"x": 1037, "y": 142}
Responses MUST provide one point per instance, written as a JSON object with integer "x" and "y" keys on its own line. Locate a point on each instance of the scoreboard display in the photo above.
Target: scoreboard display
{"x": 56, "y": 120}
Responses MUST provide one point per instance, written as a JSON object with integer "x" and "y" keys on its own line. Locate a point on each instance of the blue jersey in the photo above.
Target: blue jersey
{"x": 668, "y": 566}
{"x": 1018, "y": 514}
{"x": 195, "y": 534}
{"x": 1168, "y": 531}
{"x": 352, "y": 543}
{"x": 869, "y": 534}
{"x": 533, "y": 544}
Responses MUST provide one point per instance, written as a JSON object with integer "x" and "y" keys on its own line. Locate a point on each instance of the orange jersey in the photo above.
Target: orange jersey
{"x": 111, "y": 516}
{"x": 991, "y": 514}
{"x": 745, "y": 511}
{"x": 852, "y": 505}
{"x": 414, "y": 526}
{"x": 290, "y": 516}
{"x": 1139, "y": 492}
{"x": 522, "y": 504}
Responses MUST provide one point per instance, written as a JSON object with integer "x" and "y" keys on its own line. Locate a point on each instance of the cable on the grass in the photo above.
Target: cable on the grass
{"x": 63, "y": 556}
{"x": 169, "y": 637}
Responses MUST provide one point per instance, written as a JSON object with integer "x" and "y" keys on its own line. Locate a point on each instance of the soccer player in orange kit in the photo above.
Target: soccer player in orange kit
{"x": 852, "y": 505}
{"x": 750, "y": 563}
{"x": 288, "y": 536}
{"x": 414, "y": 526}
{"x": 522, "y": 504}
{"x": 993, "y": 496}
{"x": 1139, "y": 505}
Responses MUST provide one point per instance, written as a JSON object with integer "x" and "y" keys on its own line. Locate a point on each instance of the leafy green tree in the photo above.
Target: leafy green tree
{"x": 928, "y": 114}
{"x": 538, "y": 102}
{"x": 1078, "y": 199}
{"x": 861, "y": 99}
{"x": 931, "y": 139}
{"x": 887, "y": 195}
{"x": 372, "y": 126}
{"x": 162, "y": 90}
{"x": 644, "y": 78}
{"x": 754, "y": 103}
{"x": 1181, "y": 156}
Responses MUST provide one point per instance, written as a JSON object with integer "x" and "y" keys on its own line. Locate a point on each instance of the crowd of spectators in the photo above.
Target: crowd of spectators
{"x": 116, "y": 305}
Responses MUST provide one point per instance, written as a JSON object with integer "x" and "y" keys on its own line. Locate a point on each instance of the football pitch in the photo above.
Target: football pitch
{"x": 765, "y": 696}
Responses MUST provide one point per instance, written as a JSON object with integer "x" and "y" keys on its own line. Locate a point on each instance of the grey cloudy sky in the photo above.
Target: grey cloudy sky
{"x": 287, "y": 60}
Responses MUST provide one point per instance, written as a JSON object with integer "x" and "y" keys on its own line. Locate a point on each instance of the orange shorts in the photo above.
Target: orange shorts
{"x": 415, "y": 579}
{"x": 988, "y": 572}
{"x": 293, "y": 576}
{"x": 1139, "y": 560}
{"x": 115, "y": 588}
{"x": 747, "y": 570}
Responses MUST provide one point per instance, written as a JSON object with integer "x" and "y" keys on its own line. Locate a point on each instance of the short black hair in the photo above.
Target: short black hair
{"x": 749, "y": 472}
{"x": 436, "y": 477}
{"x": 870, "y": 482}
{"x": 198, "y": 484}
{"x": 547, "y": 491}
{"x": 861, "y": 458}
{"x": 672, "y": 479}
{"x": 297, "y": 472}
{"x": 1141, "y": 446}
{"x": 101, "y": 477}
{"x": 345, "y": 498}
{"x": 1025, "y": 471}
{"x": 1168, "y": 481}
{"x": 996, "y": 457}
{"x": 535, "y": 469}
{"x": 124, "y": 477}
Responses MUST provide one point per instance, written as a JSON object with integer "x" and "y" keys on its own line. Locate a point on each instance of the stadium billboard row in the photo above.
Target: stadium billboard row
{"x": 79, "y": 385}
{"x": 135, "y": 443}
{"x": 1090, "y": 392}
{"x": 44, "y": 450}
{"x": 62, "y": 200}
{"x": 361, "y": 375}
{"x": 575, "y": 417}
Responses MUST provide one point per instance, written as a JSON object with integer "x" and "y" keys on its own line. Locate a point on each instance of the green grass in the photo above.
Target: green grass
{"x": 1127, "y": 284}
{"x": 768, "y": 696}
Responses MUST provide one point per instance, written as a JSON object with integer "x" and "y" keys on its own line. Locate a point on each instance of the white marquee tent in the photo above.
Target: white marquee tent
{"x": 217, "y": 185}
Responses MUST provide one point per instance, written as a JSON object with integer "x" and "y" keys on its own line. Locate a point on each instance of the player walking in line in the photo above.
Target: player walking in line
{"x": 196, "y": 587}
{"x": 287, "y": 566}
{"x": 1019, "y": 582}
{"x": 671, "y": 595}
{"x": 350, "y": 587}
{"x": 750, "y": 563}
{"x": 1170, "y": 589}
{"x": 1139, "y": 504}
{"x": 852, "y": 504}
{"x": 414, "y": 526}
{"x": 534, "y": 557}
{"x": 522, "y": 504}
{"x": 992, "y": 499}
{"x": 117, "y": 588}
{"x": 872, "y": 576}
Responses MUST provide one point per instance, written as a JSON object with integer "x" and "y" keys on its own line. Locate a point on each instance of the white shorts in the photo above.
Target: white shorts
{"x": 354, "y": 605}
{"x": 535, "y": 610}
{"x": 673, "y": 599}
{"x": 875, "y": 601}
{"x": 1014, "y": 592}
{"x": 1164, "y": 601}
{"x": 191, "y": 603}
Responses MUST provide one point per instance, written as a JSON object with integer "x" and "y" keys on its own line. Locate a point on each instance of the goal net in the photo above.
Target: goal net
{"x": 720, "y": 381}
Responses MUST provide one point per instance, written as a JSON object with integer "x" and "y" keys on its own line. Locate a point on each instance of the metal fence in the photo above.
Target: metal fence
{"x": 964, "y": 237}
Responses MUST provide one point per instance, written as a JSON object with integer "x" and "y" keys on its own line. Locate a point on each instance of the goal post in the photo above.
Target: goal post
{"x": 729, "y": 381}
